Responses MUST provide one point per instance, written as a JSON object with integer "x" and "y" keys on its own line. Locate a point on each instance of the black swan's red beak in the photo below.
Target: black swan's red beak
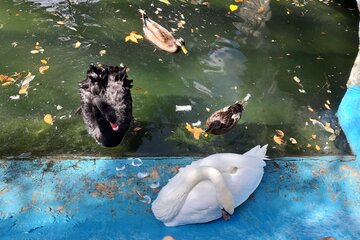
{"x": 114, "y": 126}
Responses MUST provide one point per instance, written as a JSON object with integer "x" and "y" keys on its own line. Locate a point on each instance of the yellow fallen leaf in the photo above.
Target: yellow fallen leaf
{"x": 317, "y": 147}
{"x": 239, "y": 1}
{"x": 328, "y": 102}
{"x": 23, "y": 89}
{"x": 310, "y": 108}
{"x": 279, "y": 133}
{"x": 293, "y": 140}
{"x": 43, "y": 61}
{"x": 102, "y": 52}
{"x": 278, "y": 140}
{"x": 329, "y": 129}
{"x": 327, "y": 106}
{"x": 194, "y": 130}
{"x": 233, "y": 7}
{"x": 133, "y": 36}
{"x": 42, "y": 69}
{"x": 165, "y": 1}
{"x": 4, "y": 78}
{"x": 308, "y": 145}
{"x": 48, "y": 119}
{"x": 60, "y": 22}
{"x": 77, "y": 44}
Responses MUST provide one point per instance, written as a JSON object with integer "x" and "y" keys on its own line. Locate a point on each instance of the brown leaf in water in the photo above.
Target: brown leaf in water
{"x": 42, "y": 69}
{"x": 280, "y": 133}
{"x": 278, "y": 140}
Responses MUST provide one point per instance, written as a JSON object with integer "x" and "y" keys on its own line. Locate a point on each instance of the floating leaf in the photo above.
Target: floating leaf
{"x": 34, "y": 51}
{"x": 328, "y": 102}
{"x": 313, "y": 136}
{"x": 293, "y": 140}
{"x": 23, "y": 90}
{"x": 165, "y": 1}
{"x": 317, "y": 147}
{"x": 327, "y": 106}
{"x": 133, "y": 36}
{"x": 194, "y": 130}
{"x": 233, "y": 7}
{"x": 136, "y": 129}
{"x": 302, "y": 90}
{"x": 310, "y": 108}
{"x": 43, "y": 61}
{"x": 42, "y": 69}
{"x": 102, "y": 52}
{"x": 278, "y": 140}
{"x": 77, "y": 44}
{"x": 60, "y": 22}
{"x": 279, "y": 133}
{"x": 48, "y": 119}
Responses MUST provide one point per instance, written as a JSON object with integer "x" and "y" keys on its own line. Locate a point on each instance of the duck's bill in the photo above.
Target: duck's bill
{"x": 183, "y": 48}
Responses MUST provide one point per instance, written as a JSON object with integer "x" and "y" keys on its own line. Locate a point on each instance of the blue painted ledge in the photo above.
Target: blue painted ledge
{"x": 299, "y": 198}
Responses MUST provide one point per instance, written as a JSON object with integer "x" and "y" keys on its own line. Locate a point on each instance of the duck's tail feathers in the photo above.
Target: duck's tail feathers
{"x": 258, "y": 152}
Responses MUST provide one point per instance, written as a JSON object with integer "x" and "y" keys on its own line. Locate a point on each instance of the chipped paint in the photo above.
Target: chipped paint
{"x": 89, "y": 199}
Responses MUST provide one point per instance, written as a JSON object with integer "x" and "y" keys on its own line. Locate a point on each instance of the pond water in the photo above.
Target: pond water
{"x": 259, "y": 49}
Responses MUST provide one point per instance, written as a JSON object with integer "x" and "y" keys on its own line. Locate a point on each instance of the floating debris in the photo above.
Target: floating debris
{"x": 146, "y": 199}
{"x": 136, "y": 162}
{"x": 183, "y": 108}
{"x": 155, "y": 185}
{"x": 15, "y": 97}
{"x": 196, "y": 124}
{"x": 293, "y": 140}
{"x": 142, "y": 175}
{"x": 120, "y": 168}
{"x": 48, "y": 119}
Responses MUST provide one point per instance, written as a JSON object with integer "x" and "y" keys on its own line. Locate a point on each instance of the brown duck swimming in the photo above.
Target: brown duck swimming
{"x": 106, "y": 104}
{"x": 225, "y": 119}
{"x": 160, "y": 36}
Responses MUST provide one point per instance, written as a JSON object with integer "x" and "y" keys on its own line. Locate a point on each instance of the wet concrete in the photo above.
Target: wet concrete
{"x": 298, "y": 198}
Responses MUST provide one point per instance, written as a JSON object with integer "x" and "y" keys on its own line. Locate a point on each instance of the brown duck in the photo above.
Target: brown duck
{"x": 225, "y": 119}
{"x": 160, "y": 36}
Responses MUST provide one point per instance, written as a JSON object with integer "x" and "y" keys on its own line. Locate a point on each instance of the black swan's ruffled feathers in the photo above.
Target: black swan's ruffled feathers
{"x": 110, "y": 86}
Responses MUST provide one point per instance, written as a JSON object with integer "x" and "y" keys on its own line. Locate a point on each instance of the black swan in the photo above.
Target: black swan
{"x": 106, "y": 104}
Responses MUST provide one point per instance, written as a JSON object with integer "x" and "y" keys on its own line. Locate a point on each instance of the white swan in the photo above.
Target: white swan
{"x": 210, "y": 188}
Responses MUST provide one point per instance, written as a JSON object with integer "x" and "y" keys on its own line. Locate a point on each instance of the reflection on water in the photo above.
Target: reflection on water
{"x": 255, "y": 49}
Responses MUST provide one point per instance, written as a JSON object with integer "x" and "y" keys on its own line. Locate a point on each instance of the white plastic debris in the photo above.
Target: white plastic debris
{"x": 247, "y": 97}
{"x": 136, "y": 162}
{"x": 120, "y": 168}
{"x": 183, "y": 108}
{"x": 146, "y": 199}
{"x": 196, "y": 124}
{"x": 155, "y": 185}
{"x": 142, "y": 175}
{"x": 15, "y": 97}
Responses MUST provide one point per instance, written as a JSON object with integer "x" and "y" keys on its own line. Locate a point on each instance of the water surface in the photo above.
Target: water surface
{"x": 230, "y": 54}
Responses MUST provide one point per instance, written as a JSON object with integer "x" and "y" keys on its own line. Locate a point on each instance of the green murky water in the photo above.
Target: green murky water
{"x": 230, "y": 54}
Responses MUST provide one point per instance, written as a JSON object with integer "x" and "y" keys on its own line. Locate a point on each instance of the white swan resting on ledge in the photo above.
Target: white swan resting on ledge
{"x": 210, "y": 188}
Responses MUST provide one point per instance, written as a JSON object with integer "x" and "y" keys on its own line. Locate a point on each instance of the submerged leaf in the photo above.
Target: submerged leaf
{"x": 48, "y": 119}
{"x": 194, "y": 130}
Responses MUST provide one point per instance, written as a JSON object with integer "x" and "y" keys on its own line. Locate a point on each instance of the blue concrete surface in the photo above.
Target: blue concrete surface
{"x": 299, "y": 198}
